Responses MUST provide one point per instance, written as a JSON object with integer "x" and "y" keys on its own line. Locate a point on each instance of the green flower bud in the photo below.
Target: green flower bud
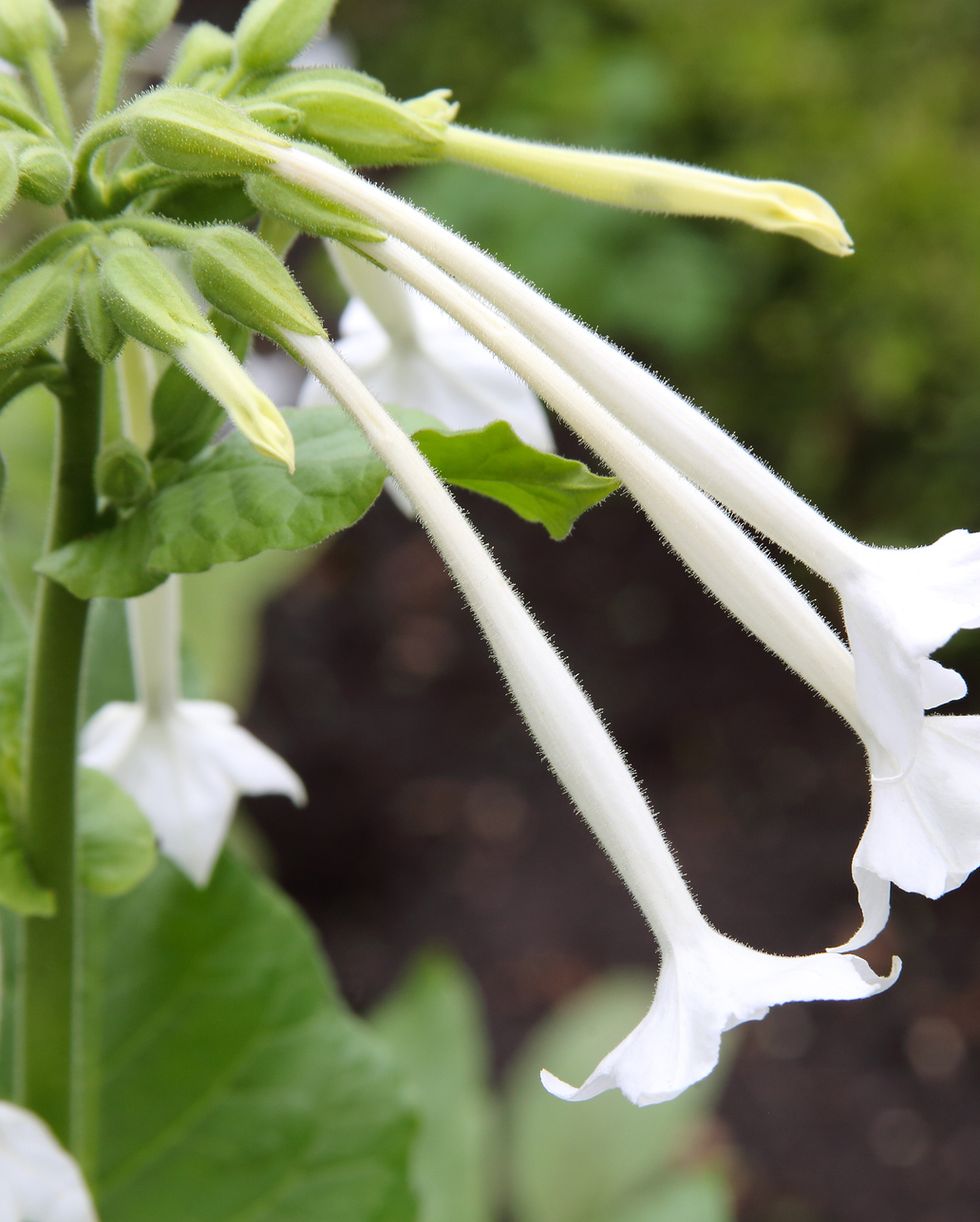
{"x": 132, "y": 23}
{"x": 365, "y": 127}
{"x": 145, "y": 299}
{"x": 274, "y": 115}
{"x": 194, "y": 133}
{"x": 203, "y": 49}
{"x": 33, "y": 310}
{"x": 100, "y": 336}
{"x": 242, "y": 276}
{"x": 45, "y": 173}
{"x": 122, "y": 474}
{"x": 270, "y": 32}
{"x": 27, "y": 27}
{"x": 307, "y": 210}
{"x": 9, "y": 178}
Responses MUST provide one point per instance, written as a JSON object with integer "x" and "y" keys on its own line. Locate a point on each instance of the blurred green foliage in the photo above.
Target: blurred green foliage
{"x": 530, "y": 1157}
{"x": 858, "y": 379}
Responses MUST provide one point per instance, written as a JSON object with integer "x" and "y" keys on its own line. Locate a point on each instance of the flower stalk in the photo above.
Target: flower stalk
{"x": 48, "y": 1035}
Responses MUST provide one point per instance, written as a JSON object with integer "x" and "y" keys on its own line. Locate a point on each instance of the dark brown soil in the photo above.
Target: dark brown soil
{"x": 432, "y": 819}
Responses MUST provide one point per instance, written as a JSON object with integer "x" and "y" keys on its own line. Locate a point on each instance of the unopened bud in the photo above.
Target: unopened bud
{"x": 33, "y": 310}
{"x": 28, "y": 27}
{"x": 203, "y": 49}
{"x": 195, "y": 133}
{"x": 133, "y": 23}
{"x": 45, "y": 173}
{"x": 307, "y": 211}
{"x": 146, "y": 300}
{"x": 207, "y": 360}
{"x": 100, "y": 336}
{"x": 240, "y": 275}
{"x": 271, "y": 32}
{"x": 274, "y": 115}
{"x": 362, "y": 126}
{"x": 122, "y": 474}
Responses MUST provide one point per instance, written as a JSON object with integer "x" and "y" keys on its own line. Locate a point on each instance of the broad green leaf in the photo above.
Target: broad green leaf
{"x": 580, "y": 1162}
{"x": 19, "y": 889}
{"x": 698, "y": 1195}
{"x": 235, "y": 1085}
{"x": 537, "y": 486}
{"x": 117, "y": 847}
{"x": 229, "y": 505}
{"x": 434, "y": 1023}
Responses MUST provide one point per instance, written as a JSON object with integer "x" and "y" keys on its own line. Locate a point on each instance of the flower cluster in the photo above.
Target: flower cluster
{"x": 437, "y": 325}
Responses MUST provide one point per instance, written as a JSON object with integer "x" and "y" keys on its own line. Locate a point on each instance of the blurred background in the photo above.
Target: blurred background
{"x": 433, "y": 822}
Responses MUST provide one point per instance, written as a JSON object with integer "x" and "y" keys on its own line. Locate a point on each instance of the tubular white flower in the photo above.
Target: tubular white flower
{"x": 593, "y": 772}
{"x": 409, "y": 352}
{"x": 39, "y": 1181}
{"x": 938, "y": 786}
{"x": 185, "y": 763}
{"x": 889, "y": 596}
{"x": 653, "y": 184}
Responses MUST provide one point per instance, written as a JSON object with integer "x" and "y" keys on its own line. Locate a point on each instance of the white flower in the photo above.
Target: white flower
{"x": 705, "y": 987}
{"x": 876, "y": 605}
{"x": 938, "y": 779}
{"x": 736, "y": 983}
{"x": 185, "y": 763}
{"x": 39, "y": 1182}
{"x": 410, "y": 353}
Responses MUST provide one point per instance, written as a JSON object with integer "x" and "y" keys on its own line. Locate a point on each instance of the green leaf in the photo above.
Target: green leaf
{"x": 235, "y": 1085}
{"x": 19, "y": 889}
{"x": 577, "y": 1163}
{"x": 699, "y": 1195}
{"x": 434, "y": 1024}
{"x": 116, "y": 843}
{"x": 229, "y": 505}
{"x": 538, "y": 487}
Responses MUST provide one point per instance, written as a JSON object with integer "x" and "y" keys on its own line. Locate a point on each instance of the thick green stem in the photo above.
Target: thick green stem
{"x": 49, "y": 1041}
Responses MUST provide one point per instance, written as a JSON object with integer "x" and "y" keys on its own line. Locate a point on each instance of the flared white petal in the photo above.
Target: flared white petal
{"x": 899, "y": 606}
{"x": 186, "y": 772}
{"x": 39, "y": 1181}
{"x": 923, "y": 833}
{"x": 704, "y": 990}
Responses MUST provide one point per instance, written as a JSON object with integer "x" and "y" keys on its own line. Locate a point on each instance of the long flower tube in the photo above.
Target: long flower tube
{"x": 184, "y": 762}
{"x": 899, "y": 605}
{"x": 923, "y": 832}
{"x": 708, "y": 983}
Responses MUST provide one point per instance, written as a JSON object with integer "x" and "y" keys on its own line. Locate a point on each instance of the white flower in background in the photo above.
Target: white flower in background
{"x": 409, "y": 353}
{"x": 708, "y": 983}
{"x": 39, "y": 1181}
{"x": 185, "y": 763}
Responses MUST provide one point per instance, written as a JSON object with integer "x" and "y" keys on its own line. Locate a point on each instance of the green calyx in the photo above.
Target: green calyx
{"x": 270, "y": 33}
{"x": 132, "y": 23}
{"x": 29, "y": 28}
{"x": 33, "y": 309}
{"x": 362, "y": 125}
{"x": 240, "y": 274}
{"x": 145, "y": 299}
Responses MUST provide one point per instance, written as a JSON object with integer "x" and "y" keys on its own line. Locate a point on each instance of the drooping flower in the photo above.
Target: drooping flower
{"x": 923, "y": 832}
{"x": 410, "y": 353}
{"x": 185, "y": 763}
{"x": 690, "y": 1016}
{"x": 39, "y": 1181}
{"x": 898, "y": 604}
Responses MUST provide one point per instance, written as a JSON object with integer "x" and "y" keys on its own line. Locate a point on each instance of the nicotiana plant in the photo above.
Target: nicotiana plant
{"x": 170, "y": 216}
